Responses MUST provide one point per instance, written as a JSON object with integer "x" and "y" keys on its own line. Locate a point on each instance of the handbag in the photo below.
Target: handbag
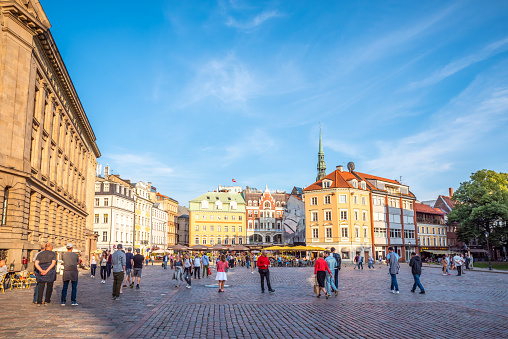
{"x": 209, "y": 271}
{"x": 316, "y": 286}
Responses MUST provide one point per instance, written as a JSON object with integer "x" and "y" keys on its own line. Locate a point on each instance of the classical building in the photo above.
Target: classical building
{"x": 113, "y": 212}
{"x": 264, "y": 210}
{"x": 182, "y": 226}
{"x": 217, "y": 218}
{"x": 431, "y": 230}
{"x": 159, "y": 227}
{"x": 47, "y": 146}
{"x": 171, "y": 207}
{"x": 338, "y": 214}
{"x": 143, "y": 217}
{"x": 393, "y": 217}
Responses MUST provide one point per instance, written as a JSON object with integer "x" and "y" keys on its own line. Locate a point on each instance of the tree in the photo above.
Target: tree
{"x": 482, "y": 207}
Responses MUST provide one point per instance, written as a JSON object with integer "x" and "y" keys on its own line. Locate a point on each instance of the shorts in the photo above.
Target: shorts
{"x": 137, "y": 272}
{"x": 128, "y": 271}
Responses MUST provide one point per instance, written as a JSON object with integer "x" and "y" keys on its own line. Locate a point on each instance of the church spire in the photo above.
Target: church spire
{"x": 321, "y": 165}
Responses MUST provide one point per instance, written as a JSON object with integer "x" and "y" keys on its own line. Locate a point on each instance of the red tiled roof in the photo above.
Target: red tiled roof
{"x": 339, "y": 180}
{"x": 373, "y": 177}
{"x": 448, "y": 201}
{"x": 427, "y": 209}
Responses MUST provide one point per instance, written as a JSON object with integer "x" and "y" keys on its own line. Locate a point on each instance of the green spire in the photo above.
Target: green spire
{"x": 321, "y": 165}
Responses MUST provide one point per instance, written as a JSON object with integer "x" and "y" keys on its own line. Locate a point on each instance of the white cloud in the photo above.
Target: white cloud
{"x": 254, "y": 22}
{"x": 139, "y": 167}
{"x": 458, "y": 65}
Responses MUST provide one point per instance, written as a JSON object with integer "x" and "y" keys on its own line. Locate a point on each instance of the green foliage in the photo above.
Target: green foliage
{"x": 480, "y": 203}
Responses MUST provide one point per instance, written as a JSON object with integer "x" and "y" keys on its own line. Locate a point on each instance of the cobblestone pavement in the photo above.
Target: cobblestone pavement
{"x": 471, "y": 306}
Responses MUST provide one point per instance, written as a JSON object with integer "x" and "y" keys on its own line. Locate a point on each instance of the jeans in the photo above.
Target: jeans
{"x": 196, "y": 272}
{"x": 205, "y": 270}
{"x": 448, "y": 269}
{"x": 248, "y": 264}
{"x": 265, "y": 274}
{"x": 329, "y": 282}
{"x": 187, "y": 275}
{"x": 40, "y": 292}
{"x": 360, "y": 264}
{"x": 459, "y": 270}
{"x": 416, "y": 277}
{"x": 336, "y": 276}
{"x": 104, "y": 273}
{"x": 93, "y": 267}
{"x": 36, "y": 292}
{"x": 117, "y": 283}
{"x": 73, "y": 293}
{"x": 394, "y": 285}
{"x": 108, "y": 269}
{"x": 165, "y": 265}
{"x": 371, "y": 264}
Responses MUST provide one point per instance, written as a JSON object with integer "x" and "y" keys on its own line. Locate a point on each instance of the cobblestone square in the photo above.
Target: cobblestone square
{"x": 471, "y": 306}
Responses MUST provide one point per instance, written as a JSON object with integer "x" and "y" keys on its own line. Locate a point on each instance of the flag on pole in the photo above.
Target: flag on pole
{"x": 233, "y": 180}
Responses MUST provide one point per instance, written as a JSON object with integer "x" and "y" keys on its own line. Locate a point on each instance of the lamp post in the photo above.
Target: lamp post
{"x": 488, "y": 249}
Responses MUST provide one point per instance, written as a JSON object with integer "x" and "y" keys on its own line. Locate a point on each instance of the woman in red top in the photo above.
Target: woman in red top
{"x": 320, "y": 269}
{"x": 221, "y": 272}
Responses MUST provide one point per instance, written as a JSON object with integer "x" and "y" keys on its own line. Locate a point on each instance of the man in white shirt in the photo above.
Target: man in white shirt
{"x": 197, "y": 266}
{"x": 458, "y": 263}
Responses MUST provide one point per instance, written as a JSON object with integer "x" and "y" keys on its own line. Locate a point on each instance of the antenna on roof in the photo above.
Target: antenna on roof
{"x": 400, "y": 179}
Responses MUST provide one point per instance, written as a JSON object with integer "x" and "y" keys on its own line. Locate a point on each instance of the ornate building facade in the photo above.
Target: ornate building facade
{"x": 264, "y": 215}
{"x": 171, "y": 207}
{"x": 47, "y": 146}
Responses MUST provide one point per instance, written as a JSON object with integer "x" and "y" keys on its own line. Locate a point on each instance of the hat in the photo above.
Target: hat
{"x": 119, "y": 246}
{"x": 69, "y": 246}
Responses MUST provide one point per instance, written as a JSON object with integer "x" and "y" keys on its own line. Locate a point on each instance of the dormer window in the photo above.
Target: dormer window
{"x": 232, "y": 205}
{"x": 204, "y": 204}
{"x": 354, "y": 183}
{"x": 327, "y": 183}
{"x": 218, "y": 205}
{"x": 363, "y": 185}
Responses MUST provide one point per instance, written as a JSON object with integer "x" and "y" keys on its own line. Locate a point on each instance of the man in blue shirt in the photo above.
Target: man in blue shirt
{"x": 205, "y": 261}
{"x": 165, "y": 261}
{"x": 128, "y": 268}
{"x": 392, "y": 259}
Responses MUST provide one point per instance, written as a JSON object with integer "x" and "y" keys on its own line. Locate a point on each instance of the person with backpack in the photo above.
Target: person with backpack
{"x": 360, "y": 261}
{"x": 416, "y": 269}
{"x": 371, "y": 262}
{"x": 338, "y": 260}
{"x": 331, "y": 262}
{"x": 392, "y": 259}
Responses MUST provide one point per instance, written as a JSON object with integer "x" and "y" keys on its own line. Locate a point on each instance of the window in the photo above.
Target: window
{"x": 409, "y": 234}
{"x": 394, "y": 233}
{"x": 328, "y": 199}
{"x": 355, "y": 183}
{"x": 225, "y": 240}
{"x": 232, "y": 217}
{"x": 106, "y": 187}
{"x": 104, "y": 236}
{"x": 408, "y": 205}
{"x": 314, "y": 216}
{"x": 328, "y": 215}
{"x": 394, "y": 218}
{"x": 196, "y": 228}
{"x": 357, "y": 232}
{"x": 364, "y": 215}
{"x": 225, "y": 228}
{"x": 96, "y": 219}
{"x": 315, "y": 233}
{"x": 117, "y": 188}
{"x": 326, "y": 184}
{"x": 97, "y": 201}
{"x": 233, "y": 205}
{"x": 313, "y": 201}
{"x": 344, "y": 232}
{"x": 211, "y": 228}
{"x": 240, "y": 241}
{"x": 106, "y": 202}
{"x": 342, "y": 199}
{"x": 204, "y": 241}
{"x": 197, "y": 216}
{"x": 256, "y": 213}
{"x": 218, "y": 205}
{"x": 250, "y": 223}
{"x": 225, "y": 217}
{"x": 408, "y": 219}
{"x": 204, "y": 204}
{"x": 364, "y": 201}
{"x": 379, "y": 232}
{"x": 219, "y": 241}
{"x": 328, "y": 232}
{"x": 250, "y": 213}
{"x": 97, "y": 187}
{"x": 218, "y": 217}
{"x": 355, "y": 200}
{"x": 357, "y": 215}
{"x": 196, "y": 241}
{"x": 343, "y": 214}
{"x": 204, "y": 228}
{"x": 218, "y": 228}
{"x": 105, "y": 218}
{"x": 365, "y": 233}
{"x": 379, "y": 216}
{"x": 240, "y": 229}
{"x": 204, "y": 216}
{"x": 363, "y": 185}
{"x": 345, "y": 255}
{"x": 240, "y": 217}
{"x": 232, "y": 228}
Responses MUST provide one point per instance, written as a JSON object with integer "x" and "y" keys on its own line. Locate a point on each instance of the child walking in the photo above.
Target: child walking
{"x": 221, "y": 272}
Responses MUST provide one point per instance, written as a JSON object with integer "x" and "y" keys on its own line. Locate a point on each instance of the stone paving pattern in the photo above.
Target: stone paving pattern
{"x": 472, "y": 306}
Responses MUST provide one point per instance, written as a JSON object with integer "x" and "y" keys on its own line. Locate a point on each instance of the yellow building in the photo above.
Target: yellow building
{"x": 217, "y": 218}
{"x": 142, "y": 225}
{"x": 338, "y": 214}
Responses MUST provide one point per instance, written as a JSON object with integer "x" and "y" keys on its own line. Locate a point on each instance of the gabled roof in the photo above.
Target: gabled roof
{"x": 373, "y": 177}
{"x": 339, "y": 180}
{"x": 423, "y": 208}
{"x": 225, "y": 197}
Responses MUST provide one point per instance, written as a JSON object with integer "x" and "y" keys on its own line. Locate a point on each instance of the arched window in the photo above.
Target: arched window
{"x": 255, "y": 238}
{"x": 267, "y": 204}
{"x": 267, "y": 239}
{"x": 218, "y": 205}
{"x": 250, "y": 203}
{"x": 5, "y": 204}
{"x": 277, "y": 204}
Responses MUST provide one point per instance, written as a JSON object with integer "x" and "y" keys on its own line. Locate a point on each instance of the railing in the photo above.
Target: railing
{"x": 430, "y": 221}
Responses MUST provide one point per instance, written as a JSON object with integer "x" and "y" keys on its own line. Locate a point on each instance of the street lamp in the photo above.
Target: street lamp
{"x": 488, "y": 249}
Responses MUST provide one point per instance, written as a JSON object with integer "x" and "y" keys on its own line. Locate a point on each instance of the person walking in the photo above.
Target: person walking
{"x": 129, "y": 263}
{"x": 178, "y": 274}
{"x": 197, "y": 266}
{"x": 137, "y": 265}
{"x": 320, "y": 269}
{"x": 37, "y": 272}
{"x": 45, "y": 263}
{"x": 93, "y": 266}
{"x": 371, "y": 262}
{"x": 104, "y": 267}
{"x": 458, "y": 263}
{"x": 118, "y": 265}
{"x": 263, "y": 263}
{"x": 331, "y": 262}
{"x": 355, "y": 261}
{"x": 221, "y": 272}
{"x": 108, "y": 265}
{"x": 416, "y": 269}
{"x": 471, "y": 262}
{"x": 338, "y": 260}
{"x": 360, "y": 261}
{"x": 187, "y": 271}
{"x": 70, "y": 274}
{"x": 464, "y": 263}
{"x": 392, "y": 259}
{"x": 444, "y": 262}
{"x": 165, "y": 261}
{"x": 248, "y": 261}
{"x": 206, "y": 263}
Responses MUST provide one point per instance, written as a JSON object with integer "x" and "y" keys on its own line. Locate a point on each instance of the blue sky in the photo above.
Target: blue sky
{"x": 190, "y": 94}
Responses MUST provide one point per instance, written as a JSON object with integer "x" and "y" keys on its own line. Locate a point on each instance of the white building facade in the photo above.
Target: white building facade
{"x": 159, "y": 227}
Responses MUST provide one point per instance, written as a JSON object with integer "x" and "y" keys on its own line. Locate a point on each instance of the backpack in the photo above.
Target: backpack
{"x": 338, "y": 260}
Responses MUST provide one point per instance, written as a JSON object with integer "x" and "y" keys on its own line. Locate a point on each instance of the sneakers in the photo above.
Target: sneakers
{"x": 39, "y": 305}
{"x": 74, "y": 303}
{"x": 114, "y": 298}
{"x": 444, "y": 274}
{"x": 62, "y": 304}
{"x": 397, "y": 292}
{"x": 272, "y": 290}
{"x": 103, "y": 281}
{"x": 413, "y": 291}
{"x": 422, "y": 292}
{"x": 131, "y": 285}
{"x": 336, "y": 292}
{"x": 137, "y": 287}
{"x": 393, "y": 291}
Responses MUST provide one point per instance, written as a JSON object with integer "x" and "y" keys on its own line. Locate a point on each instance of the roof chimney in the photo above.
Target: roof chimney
{"x": 450, "y": 192}
{"x": 339, "y": 168}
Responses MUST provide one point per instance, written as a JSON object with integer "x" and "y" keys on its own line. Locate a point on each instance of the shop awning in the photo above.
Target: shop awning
{"x": 477, "y": 250}
{"x": 437, "y": 251}
{"x": 344, "y": 249}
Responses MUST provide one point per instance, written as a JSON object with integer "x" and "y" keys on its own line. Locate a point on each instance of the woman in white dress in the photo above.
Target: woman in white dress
{"x": 221, "y": 272}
